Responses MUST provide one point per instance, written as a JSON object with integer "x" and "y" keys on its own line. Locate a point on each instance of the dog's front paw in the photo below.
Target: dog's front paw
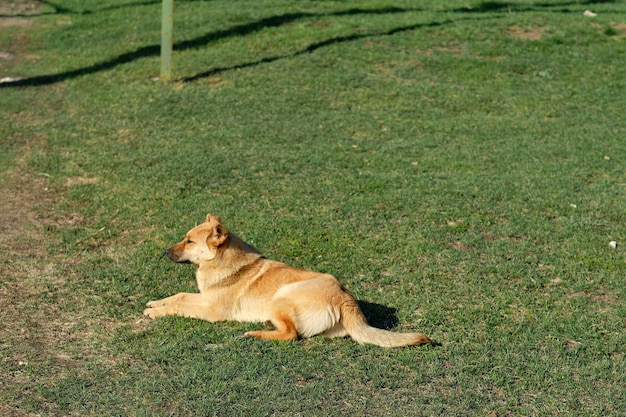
{"x": 152, "y": 313}
{"x": 157, "y": 303}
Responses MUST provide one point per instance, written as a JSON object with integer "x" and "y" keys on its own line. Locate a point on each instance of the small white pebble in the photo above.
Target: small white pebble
{"x": 10, "y": 80}
{"x": 613, "y": 244}
{"x": 589, "y": 13}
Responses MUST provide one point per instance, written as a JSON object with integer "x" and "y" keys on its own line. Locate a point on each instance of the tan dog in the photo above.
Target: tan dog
{"x": 237, "y": 283}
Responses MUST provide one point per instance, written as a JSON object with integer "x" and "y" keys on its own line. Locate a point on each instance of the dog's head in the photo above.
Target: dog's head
{"x": 202, "y": 243}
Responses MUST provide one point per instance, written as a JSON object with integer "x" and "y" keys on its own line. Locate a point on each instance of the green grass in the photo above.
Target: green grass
{"x": 459, "y": 166}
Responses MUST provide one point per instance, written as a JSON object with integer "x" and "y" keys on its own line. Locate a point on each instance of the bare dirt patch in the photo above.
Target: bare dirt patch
{"x": 25, "y": 268}
{"x": 620, "y": 27}
{"x": 615, "y": 29}
{"x": 451, "y": 49}
{"x": 48, "y": 330}
{"x": 531, "y": 34}
{"x": 15, "y": 18}
{"x": 14, "y": 21}
{"x": 17, "y": 13}
{"x": 19, "y": 8}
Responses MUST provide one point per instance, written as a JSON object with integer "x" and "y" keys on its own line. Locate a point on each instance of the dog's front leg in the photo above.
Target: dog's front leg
{"x": 181, "y": 296}
{"x": 185, "y": 305}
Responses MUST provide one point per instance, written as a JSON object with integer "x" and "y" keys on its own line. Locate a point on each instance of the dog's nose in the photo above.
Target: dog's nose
{"x": 166, "y": 252}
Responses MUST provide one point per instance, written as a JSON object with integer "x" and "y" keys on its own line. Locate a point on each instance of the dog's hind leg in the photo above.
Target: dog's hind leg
{"x": 282, "y": 320}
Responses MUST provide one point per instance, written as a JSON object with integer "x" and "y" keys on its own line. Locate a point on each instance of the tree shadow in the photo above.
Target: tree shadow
{"x": 59, "y": 9}
{"x": 498, "y": 6}
{"x": 239, "y": 30}
{"x": 311, "y": 48}
{"x": 486, "y": 6}
{"x": 268, "y": 22}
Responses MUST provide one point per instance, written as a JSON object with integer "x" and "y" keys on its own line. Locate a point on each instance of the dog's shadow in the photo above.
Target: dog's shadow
{"x": 379, "y": 315}
{"x": 383, "y": 317}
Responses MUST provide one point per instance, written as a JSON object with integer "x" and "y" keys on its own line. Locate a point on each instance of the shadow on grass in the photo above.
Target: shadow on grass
{"x": 313, "y": 47}
{"x": 486, "y": 6}
{"x": 154, "y": 50}
{"x": 273, "y": 21}
{"x": 383, "y": 317}
{"x": 379, "y": 315}
{"x": 499, "y": 6}
{"x": 58, "y": 9}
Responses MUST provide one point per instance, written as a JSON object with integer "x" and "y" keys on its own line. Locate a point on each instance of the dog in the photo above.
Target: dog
{"x": 237, "y": 283}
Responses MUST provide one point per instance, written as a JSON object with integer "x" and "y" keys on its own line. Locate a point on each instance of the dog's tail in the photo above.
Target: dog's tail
{"x": 357, "y": 327}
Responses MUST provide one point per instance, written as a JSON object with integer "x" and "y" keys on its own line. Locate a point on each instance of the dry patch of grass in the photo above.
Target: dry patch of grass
{"x": 17, "y": 13}
{"x": 14, "y": 21}
{"x": 614, "y": 29}
{"x": 531, "y": 34}
{"x": 40, "y": 341}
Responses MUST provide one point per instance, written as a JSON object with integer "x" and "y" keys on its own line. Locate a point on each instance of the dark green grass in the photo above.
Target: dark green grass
{"x": 463, "y": 178}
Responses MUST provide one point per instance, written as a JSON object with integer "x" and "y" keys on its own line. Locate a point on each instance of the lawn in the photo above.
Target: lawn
{"x": 459, "y": 166}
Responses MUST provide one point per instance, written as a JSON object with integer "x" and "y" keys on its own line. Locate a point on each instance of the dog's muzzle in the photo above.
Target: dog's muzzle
{"x": 167, "y": 252}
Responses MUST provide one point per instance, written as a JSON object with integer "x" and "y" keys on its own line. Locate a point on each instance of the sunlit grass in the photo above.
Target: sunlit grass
{"x": 460, "y": 169}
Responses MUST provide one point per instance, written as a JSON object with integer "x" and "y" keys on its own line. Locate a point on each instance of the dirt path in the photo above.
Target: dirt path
{"x": 31, "y": 326}
{"x": 35, "y": 330}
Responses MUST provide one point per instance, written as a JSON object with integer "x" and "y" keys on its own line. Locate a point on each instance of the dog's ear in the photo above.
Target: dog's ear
{"x": 218, "y": 236}
{"x": 210, "y": 218}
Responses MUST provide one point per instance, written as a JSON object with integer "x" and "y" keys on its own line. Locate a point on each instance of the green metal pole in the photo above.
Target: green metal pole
{"x": 167, "y": 27}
